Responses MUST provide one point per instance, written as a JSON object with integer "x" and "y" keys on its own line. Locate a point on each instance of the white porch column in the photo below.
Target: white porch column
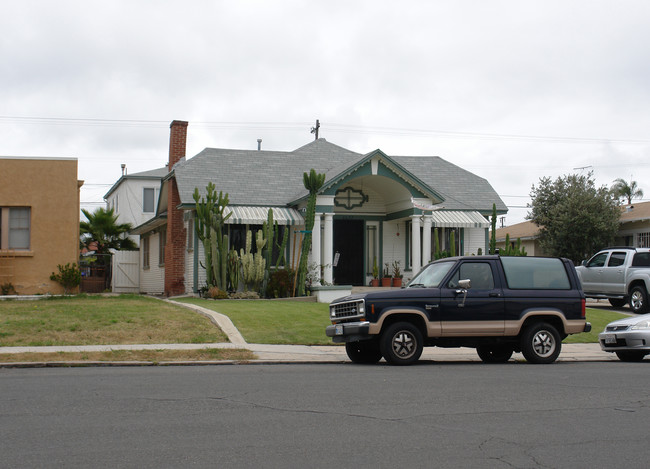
{"x": 328, "y": 246}
{"x": 315, "y": 247}
{"x": 426, "y": 240}
{"x": 416, "y": 249}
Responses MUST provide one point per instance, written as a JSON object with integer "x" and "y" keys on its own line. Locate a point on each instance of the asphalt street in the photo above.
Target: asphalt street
{"x": 434, "y": 414}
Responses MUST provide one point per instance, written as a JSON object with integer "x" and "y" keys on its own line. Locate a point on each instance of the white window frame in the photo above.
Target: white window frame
{"x": 15, "y": 230}
{"x": 153, "y": 201}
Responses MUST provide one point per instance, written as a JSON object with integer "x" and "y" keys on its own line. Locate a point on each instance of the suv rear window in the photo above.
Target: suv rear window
{"x": 535, "y": 273}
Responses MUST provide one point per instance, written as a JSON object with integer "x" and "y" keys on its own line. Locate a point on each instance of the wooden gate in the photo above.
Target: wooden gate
{"x": 126, "y": 272}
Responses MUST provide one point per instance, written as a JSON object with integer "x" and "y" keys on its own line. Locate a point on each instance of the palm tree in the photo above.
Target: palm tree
{"x": 623, "y": 190}
{"x": 103, "y": 229}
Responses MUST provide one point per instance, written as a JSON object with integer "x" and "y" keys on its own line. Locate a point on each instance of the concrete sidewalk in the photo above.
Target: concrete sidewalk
{"x": 267, "y": 353}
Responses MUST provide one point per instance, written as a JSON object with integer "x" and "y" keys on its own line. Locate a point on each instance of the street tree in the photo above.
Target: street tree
{"x": 626, "y": 191}
{"x": 574, "y": 216}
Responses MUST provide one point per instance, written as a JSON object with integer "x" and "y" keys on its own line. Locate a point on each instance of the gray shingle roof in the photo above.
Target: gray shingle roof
{"x": 253, "y": 177}
{"x": 153, "y": 174}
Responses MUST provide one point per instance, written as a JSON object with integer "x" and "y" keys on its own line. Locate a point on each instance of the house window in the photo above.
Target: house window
{"x": 162, "y": 239}
{"x": 15, "y": 228}
{"x": 145, "y": 252}
{"x": 643, "y": 240}
{"x": 148, "y": 199}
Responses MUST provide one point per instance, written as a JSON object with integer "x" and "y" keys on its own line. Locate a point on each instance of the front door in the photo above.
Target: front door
{"x": 348, "y": 252}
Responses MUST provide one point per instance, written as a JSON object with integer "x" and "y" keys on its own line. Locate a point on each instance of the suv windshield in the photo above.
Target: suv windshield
{"x": 431, "y": 275}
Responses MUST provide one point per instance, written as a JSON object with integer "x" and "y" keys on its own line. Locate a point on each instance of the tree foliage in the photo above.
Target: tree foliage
{"x": 626, "y": 191}
{"x": 102, "y": 227}
{"x": 575, "y": 217}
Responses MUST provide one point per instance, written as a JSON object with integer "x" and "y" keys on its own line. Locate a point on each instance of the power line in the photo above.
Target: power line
{"x": 303, "y": 126}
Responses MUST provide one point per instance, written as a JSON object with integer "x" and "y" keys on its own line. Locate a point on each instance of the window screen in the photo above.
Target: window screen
{"x": 19, "y": 227}
{"x": 148, "y": 199}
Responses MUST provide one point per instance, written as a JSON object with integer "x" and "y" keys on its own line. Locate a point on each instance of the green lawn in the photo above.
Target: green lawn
{"x": 133, "y": 319}
{"x": 274, "y": 321}
{"x": 89, "y": 320}
{"x": 598, "y": 318}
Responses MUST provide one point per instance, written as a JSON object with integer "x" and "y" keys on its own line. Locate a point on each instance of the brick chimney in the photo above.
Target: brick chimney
{"x": 176, "y": 233}
{"x": 177, "y": 141}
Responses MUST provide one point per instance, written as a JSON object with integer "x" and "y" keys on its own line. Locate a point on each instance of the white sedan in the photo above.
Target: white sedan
{"x": 629, "y": 338}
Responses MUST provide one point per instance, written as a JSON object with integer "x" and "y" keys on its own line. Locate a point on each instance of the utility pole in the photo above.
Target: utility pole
{"x": 314, "y": 130}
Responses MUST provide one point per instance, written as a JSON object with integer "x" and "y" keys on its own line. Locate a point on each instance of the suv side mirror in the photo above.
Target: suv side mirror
{"x": 463, "y": 286}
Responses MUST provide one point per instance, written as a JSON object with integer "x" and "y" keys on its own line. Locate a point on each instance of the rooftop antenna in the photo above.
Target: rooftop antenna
{"x": 314, "y": 130}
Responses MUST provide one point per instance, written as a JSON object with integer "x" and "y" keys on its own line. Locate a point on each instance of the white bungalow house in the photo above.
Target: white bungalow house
{"x": 134, "y": 197}
{"x": 372, "y": 206}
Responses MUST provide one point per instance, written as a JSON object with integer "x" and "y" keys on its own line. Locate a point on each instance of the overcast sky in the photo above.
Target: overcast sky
{"x": 510, "y": 90}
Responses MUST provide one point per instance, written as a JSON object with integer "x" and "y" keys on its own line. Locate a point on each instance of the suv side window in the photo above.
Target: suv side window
{"x": 598, "y": 260}
{"x": 479, "y": 273}
{"x": 535, "y": 273}
{"x": 616, "y": 259}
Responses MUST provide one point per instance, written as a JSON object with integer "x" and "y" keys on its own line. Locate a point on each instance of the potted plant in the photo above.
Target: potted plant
{"x": 397, "y": 274}
{"x": 375, "y": 274}
{"x": 386, "y": 279}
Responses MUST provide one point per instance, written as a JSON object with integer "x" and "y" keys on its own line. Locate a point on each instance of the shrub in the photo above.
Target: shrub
{"x": 245, "y": 295}
{"x": 217, "y": 294}
{"x": 69, "y": 276}
{"x": 280, "y": 284}
{"x": 7, "y": 289}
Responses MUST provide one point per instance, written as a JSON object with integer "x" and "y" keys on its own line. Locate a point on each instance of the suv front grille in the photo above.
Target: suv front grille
{"x": 348, "y": 310}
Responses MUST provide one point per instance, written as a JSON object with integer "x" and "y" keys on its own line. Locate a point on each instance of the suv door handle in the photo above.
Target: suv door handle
{"x": 494, "y": 295}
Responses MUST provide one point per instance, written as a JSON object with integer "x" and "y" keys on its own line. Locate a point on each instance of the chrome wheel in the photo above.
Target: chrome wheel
{"x": 401, "y": 343}
{"x": 404, "y": 344}
{"x": 544, "y": 343}
{"x": 541, "y": 343}
{"x": 638, "y": 300}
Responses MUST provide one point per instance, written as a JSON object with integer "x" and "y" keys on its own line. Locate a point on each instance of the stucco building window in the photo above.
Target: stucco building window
{"x": 15, "y": 228}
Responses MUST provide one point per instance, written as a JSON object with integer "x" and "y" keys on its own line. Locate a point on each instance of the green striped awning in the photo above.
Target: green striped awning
{"x": 458, "y": 219}
{"x": 252, "y": 215}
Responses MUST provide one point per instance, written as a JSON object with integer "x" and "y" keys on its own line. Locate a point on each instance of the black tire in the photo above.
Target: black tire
{"x": 630, "y": 356}
{"x": 617, "y": 302}
{"x": 401, "y": 343}
{"x": 541, "y": 343}
{"x": 639, "y": 300}
{"x": 494, "y": 353}
{"x": 365, "y": 352}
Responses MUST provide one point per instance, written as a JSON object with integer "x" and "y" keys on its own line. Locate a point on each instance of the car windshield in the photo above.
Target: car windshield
{"x": 431, "y": 275}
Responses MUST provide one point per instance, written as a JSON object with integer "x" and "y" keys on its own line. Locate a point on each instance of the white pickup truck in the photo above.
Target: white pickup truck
{"x": 620, "y": 274}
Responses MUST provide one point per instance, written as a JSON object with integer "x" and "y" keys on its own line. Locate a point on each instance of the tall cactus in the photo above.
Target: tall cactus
{"x": 253, "y": 265}
{"x": 209, "y": 224}
{"x": 281, "y": 246}
{"x": 269, "y": 237}
{"x": 493, "y": 234}
{"x": 313, "y": 182}
{"x": 233, "y": 270}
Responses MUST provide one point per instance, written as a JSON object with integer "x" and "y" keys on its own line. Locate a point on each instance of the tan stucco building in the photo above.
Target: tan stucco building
{"x": 39, "y": 221}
